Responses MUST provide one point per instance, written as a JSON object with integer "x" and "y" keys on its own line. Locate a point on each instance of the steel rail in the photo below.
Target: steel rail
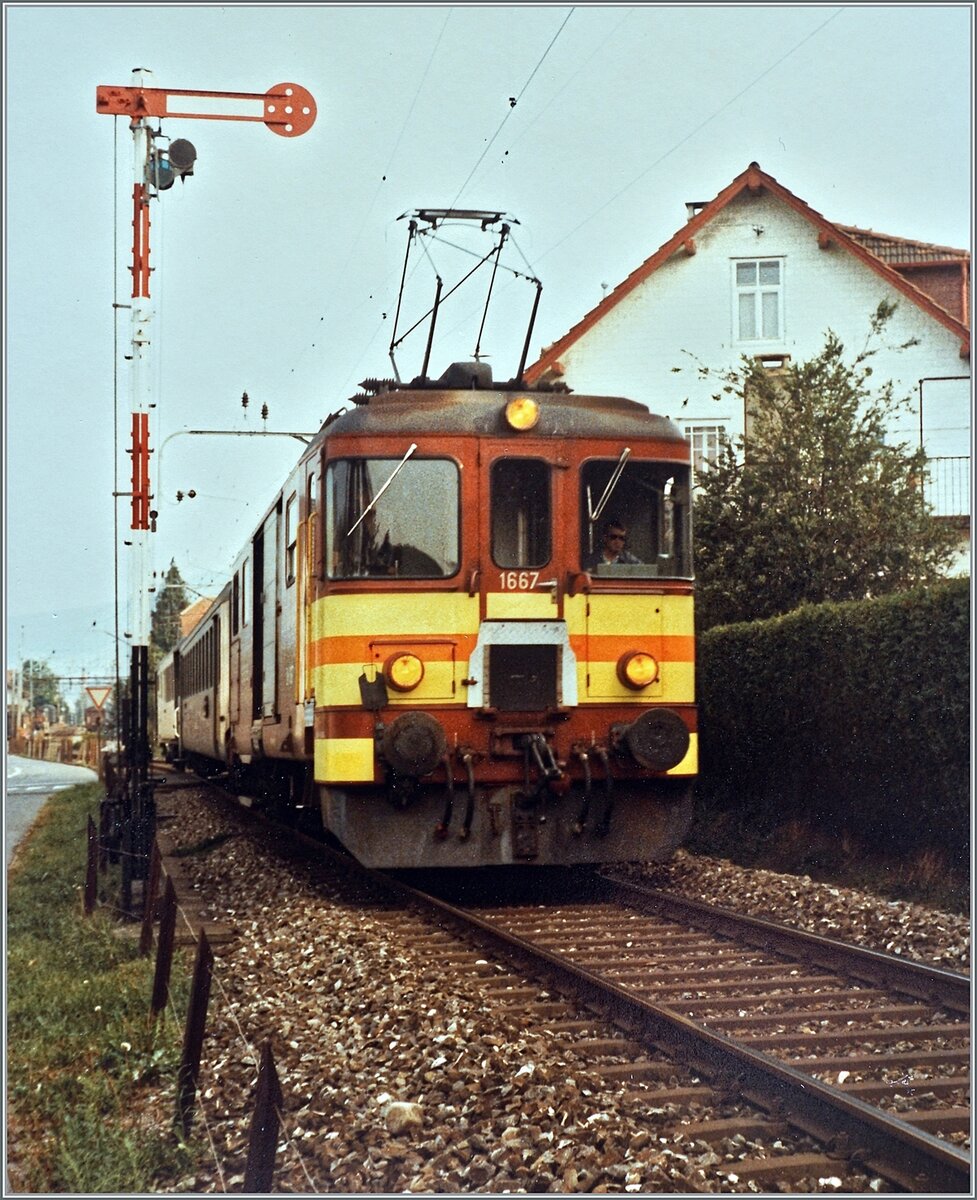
{"x": 936, "y": 985}
{"x": 871, "y": 1138}
{"x": 866, "y": 1136}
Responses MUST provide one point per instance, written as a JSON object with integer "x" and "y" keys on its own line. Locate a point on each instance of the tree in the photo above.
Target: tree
{"x": 171, "y": 600}
{"x": 40, "y": 685}
{"x": 816, "y": 505}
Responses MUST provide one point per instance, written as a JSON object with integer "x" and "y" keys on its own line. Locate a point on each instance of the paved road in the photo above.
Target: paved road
{"x": 30, "y": 782}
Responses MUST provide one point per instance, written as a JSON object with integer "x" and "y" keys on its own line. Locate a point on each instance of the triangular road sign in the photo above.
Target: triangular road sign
{"x": 98, "y": 695}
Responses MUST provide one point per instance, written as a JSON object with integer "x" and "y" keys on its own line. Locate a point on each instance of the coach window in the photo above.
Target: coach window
{"x": 521, "y": 520}
{"x": 245, "y": 595}
{"x": 312, "y": 527}
{"x": 392, "y": 516}
{"x": 649, "y": 501}
{"x": 291, "y": 537}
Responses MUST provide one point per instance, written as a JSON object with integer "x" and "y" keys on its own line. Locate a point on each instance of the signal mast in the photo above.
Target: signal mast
{"x": 128, "y": 816}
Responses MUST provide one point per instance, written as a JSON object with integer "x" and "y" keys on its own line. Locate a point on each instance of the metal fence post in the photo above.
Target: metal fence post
{"x": 164, "y": 951}
{"x": 193, "y": 1040}
{"x": 263, "y": 1138}
{"x": 149, "y": 912}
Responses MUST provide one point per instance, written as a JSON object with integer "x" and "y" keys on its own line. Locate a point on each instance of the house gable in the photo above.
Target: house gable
{"x": 755, "y": 183}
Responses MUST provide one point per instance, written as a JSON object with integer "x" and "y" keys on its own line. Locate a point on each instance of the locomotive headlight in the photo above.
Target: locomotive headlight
{"x": 404, "y": 671}
{"x": 522, "y": 412}
{"x": 637, "y": 669}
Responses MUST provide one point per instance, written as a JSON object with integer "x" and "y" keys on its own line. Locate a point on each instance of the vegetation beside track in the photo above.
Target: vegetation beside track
{"x": 90, "y": 1081}
{"x": 845, "y": 730}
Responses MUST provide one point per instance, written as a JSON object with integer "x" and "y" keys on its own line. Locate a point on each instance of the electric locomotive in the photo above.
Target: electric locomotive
{"x": 425, "y": 642}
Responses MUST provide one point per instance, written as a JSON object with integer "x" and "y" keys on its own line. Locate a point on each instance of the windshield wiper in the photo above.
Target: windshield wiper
{"x": 393, "y": 475}
{"x": 594, "y": 513}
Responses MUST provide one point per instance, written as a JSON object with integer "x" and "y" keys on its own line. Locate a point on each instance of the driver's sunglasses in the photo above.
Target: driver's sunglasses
{"x": 617, "y": 537}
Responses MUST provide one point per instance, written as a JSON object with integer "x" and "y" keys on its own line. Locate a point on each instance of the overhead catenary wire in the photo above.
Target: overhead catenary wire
{"x": 512, "y": 106}
{"x": 696, "y": 129}
{"x": 354, "y": 243}
{"x": 539, "y": 112}
{"x": 632, "y": 182}
{"x": 678, "y": 144}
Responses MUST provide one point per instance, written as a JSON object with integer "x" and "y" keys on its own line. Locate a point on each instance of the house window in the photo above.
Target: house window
{"x": 705, "y": 443}
{"x": 759, "y": 299}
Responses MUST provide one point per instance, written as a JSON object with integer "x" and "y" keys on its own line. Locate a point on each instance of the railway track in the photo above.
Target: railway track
{"x": 864, "y": 1053}
{"x": 852, "y": 1064}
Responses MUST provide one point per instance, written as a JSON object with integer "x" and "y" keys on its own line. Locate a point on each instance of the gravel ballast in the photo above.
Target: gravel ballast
{"x": 398, "y": 1075}
{"x": 889, "y": 926}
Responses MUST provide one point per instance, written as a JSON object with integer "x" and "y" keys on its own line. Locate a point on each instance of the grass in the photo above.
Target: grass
{"x": 83, "y": 1059}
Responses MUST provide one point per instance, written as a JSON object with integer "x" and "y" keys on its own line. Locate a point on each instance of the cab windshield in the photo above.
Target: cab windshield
{"x": 387, "y": 516}
{"x": 635, "y": 519}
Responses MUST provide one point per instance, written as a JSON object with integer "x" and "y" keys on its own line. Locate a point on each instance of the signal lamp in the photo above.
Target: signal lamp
{"x": 637, "y": 669}
{"x": 166, "y": 166}
{"x": 159, "y": 173}
{"x": 522, "y": 412}
{"x": 403, "y": 671}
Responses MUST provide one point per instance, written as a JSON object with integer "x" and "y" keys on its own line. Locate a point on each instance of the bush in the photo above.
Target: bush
{"x": 854, "y": 715}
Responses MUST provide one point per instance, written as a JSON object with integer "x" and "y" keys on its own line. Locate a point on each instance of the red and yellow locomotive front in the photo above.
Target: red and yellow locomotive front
{"x": 501, "y": 646}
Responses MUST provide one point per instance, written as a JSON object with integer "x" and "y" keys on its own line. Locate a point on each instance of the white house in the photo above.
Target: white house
{"x": 758, "y": 272}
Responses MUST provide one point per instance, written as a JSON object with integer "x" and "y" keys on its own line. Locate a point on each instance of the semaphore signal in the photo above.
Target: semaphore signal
{"x": 288, "y": 110}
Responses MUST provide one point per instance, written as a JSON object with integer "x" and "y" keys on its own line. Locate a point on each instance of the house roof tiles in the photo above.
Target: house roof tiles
{"x": 893, "y": 249}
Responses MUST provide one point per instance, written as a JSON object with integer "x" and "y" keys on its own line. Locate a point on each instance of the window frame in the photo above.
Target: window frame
{"x": 670, "y": 527}
{"x": 504, "y": 461}
{"x": 758, "y": 290}
{"x": 291, "y": 538}
{"x": 328, "y": 533}
{"x": 716, "y": 428}
{"x": 312, "y": 523}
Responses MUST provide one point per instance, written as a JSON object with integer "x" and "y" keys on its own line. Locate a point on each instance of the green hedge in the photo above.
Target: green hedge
{"x": 853, "y": 716}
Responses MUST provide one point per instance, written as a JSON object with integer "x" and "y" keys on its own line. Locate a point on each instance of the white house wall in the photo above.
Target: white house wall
{"x": 683, "y": 315}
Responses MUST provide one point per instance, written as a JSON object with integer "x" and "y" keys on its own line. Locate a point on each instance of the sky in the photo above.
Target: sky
{"x": 276, "y": 266}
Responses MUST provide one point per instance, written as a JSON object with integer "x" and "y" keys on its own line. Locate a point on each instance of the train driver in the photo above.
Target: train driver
{"x": 612, "y": 550}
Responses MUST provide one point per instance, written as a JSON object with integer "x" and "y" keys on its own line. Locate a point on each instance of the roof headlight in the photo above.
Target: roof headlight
{"x": 637, "y": 669}
{"x": 403, "y": 671}
{"x": 522, "y": 412}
